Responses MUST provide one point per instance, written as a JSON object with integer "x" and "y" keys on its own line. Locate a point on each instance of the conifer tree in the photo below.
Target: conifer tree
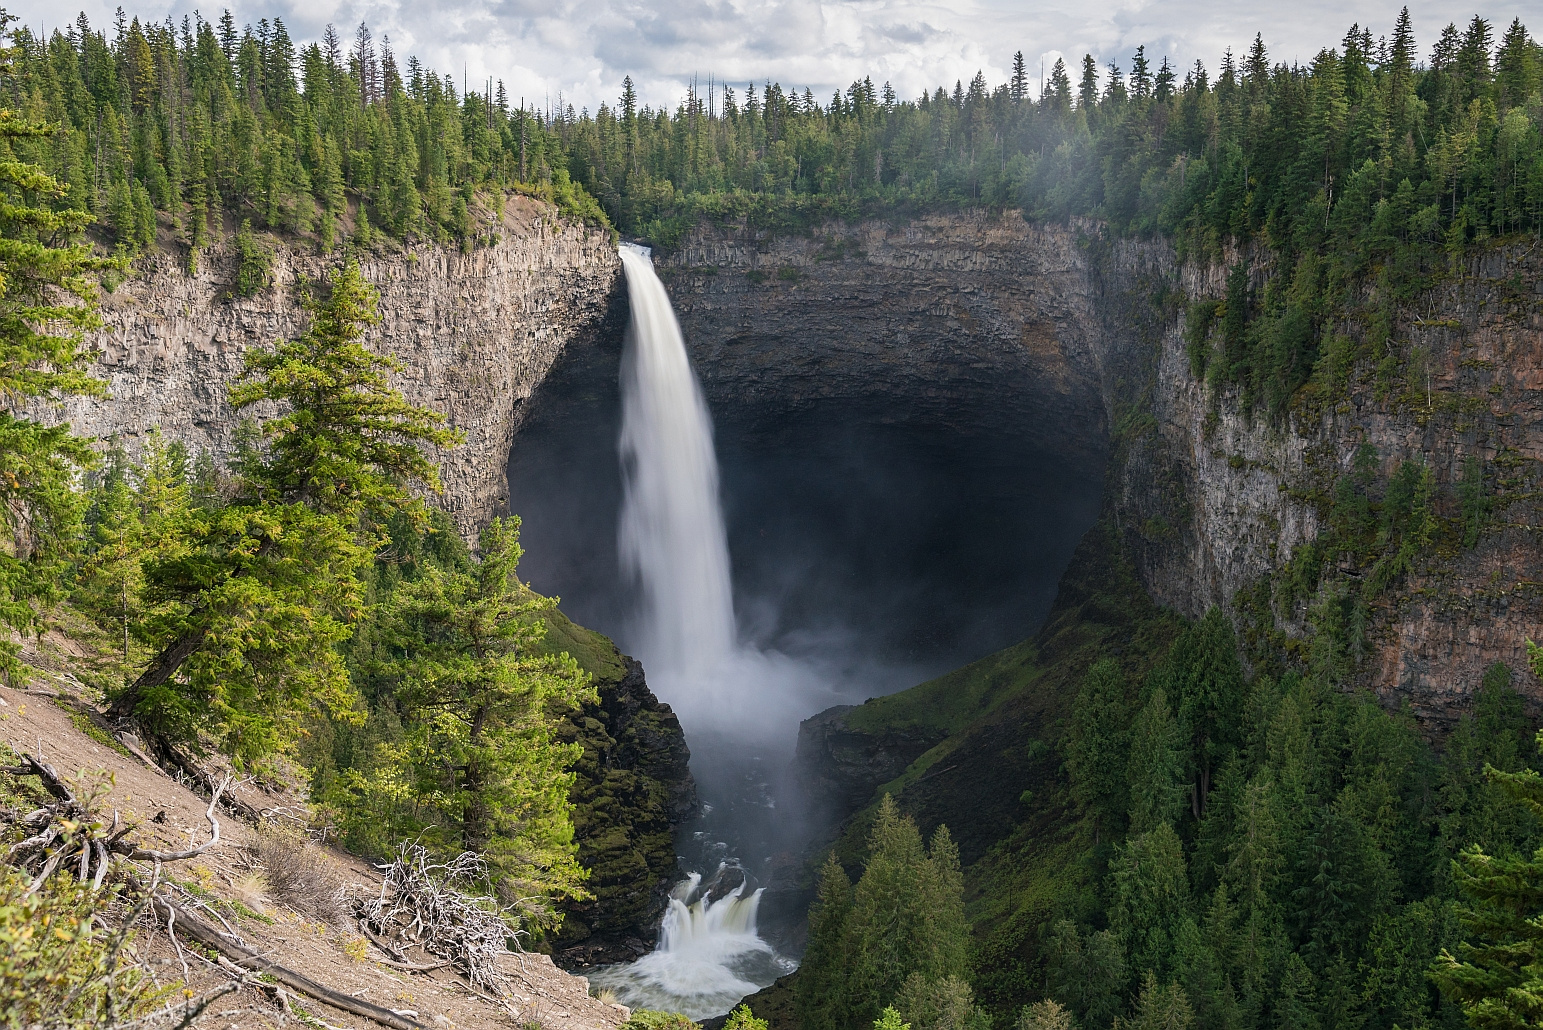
{"x": 250, "y": 615}
{"x": 47, "y": 304}
{"x": 820, "y": 988}
{"x": 1098, "y": 746}
{"x": 483, "y": 697}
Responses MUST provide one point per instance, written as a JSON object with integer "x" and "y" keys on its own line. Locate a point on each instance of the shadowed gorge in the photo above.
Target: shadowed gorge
{"x": 903, "y": 479}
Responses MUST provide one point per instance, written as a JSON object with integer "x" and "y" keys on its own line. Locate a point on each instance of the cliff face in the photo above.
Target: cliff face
{"x": 1213, "y": 500}
{"x": 634, "y": 787}
{"x": 476, "y": 333}
{"x": 966, "y": 322}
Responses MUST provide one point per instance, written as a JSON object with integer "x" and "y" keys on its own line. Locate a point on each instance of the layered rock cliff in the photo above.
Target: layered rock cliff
{"x": 967, "y": 323}
{"x": 1061, "y": 333}
{"x": 475, "y": 332}
{"x": 1215, "y": 501}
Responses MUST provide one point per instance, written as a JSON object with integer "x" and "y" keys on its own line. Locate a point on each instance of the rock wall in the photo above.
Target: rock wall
{"x": 1213, "y": 500}
{"x": 970, "y": 322}
{"x": 475, "y": 332}
{"x": 1060, "y": 332}
{"x": 634, "y": 788}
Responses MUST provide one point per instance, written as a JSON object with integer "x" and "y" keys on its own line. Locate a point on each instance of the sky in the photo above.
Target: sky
{"x": 581, "y": 49}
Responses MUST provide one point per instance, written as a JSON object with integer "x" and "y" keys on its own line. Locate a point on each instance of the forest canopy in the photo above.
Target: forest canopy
{"x": 1376, "y": 141}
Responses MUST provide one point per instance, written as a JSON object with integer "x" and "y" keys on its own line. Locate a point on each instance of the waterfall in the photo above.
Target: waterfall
{"x": 709, "y": 955}
{"x": 672, "y": 543}
{"x": 671, "y": 538}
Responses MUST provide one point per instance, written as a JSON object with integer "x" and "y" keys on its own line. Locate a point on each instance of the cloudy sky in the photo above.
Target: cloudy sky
{"x": 582, "y": 48}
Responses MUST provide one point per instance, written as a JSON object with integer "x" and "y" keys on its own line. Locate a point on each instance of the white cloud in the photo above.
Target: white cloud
{"x": 582, "y": 50}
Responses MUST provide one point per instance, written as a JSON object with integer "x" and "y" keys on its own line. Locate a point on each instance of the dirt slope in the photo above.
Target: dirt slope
{"x": 327, "y": 949}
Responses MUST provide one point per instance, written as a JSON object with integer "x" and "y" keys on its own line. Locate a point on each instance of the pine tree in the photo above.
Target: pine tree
{"x": 484, "y": 696}
{"x": 47, "y": 304}
{"x": 1098, "y": 746}
{"x": 907, "y": 916}
{"x": 1087, "y": 974}
{"x": 1019, "y": 86}
{"x": 1151, "y": 899}
{"x": 269, "y": 585}
{"x": 1155, "y": 767}
{"x": 820, "y": 989}
{"x": 1087, "y": 88}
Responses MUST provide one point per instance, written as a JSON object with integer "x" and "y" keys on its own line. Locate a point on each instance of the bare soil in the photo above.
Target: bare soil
{"x": 168, "y": 815}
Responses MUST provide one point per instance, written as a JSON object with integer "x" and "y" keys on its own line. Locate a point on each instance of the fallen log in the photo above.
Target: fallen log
{"x": 204, "y": 933}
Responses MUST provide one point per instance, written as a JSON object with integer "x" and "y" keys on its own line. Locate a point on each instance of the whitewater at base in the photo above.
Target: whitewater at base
{"x": 709, "y": 956}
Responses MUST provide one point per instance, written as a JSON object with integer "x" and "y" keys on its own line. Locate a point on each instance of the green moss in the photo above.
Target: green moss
{"x": 593, "y": 651}
{"x": 951, "y": 702}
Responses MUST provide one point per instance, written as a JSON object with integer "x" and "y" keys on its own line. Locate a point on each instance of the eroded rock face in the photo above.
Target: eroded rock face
{"x": 841, "y": 766}
{"x": 1215, "y": 500}
{"x": 475, "y": 333}
{"x": 967, "y": 322}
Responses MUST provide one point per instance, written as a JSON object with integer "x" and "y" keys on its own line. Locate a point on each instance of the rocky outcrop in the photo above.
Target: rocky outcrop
{"x": 840, "y": 765}
{"x": 475, "y": 333}
{"x": 633, "y": 788}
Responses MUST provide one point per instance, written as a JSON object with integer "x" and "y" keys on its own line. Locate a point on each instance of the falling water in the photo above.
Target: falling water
{"x": 672, "y": 538}
{"x": 672, "y": 542}
{"x": 709, "y": 955}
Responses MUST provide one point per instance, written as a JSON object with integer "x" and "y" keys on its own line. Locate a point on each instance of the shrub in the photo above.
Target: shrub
{"x": 254, "y": 263}
{"x": 298, "y": 873}
{"x": 61, "y": 960}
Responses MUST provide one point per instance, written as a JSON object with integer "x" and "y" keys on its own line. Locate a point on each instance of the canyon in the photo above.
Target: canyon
{"x": 1032, "y": 378}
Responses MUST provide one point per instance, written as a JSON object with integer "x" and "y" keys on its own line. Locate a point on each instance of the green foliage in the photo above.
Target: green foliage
{"x": 1159, "y": 1008}
{"x": 890, "y": 1019}
{"x": 250, "y": 606}
{"x": 1151, "y": 898}
{"x": 939, "y": 1004}
{"x": 904, "y": 919}
{"x": 743, "y": 1019}
{"x": 1045, "y": 1015}
{"x": 134, "y": 517}
{"x": 253, "y": 262}
{"x": 1155, "y": 766}
{"x": 1496, "y": 973}
{"x": 1094, "y": 742}
{"x": 47, "y": 304}
{"x": 1086, "y": 973}
{"x": 648, "y": 1019}
{"x": 61, "y": 962}
{"x": 479, "y": 699}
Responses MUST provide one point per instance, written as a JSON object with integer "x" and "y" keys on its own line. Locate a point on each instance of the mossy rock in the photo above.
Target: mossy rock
{"x": 632, "y": 788}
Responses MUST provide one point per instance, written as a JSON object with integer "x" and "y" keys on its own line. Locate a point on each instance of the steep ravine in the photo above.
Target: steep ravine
{"x": 1057, "y": 352}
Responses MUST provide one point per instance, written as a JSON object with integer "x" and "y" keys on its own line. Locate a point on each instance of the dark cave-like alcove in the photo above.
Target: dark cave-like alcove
{"x": 875, "y": 528}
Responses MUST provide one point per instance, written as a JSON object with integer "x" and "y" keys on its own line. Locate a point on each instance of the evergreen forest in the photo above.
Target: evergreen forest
{"x": 1256, "y": 844}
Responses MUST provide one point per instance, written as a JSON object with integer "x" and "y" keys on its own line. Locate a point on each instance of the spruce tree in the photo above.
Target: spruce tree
{"x": 820, "y": 988}
{"x": 248, "y": 618}
{"x": 483, "y": 697}
{"x": 47, "y": 304}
